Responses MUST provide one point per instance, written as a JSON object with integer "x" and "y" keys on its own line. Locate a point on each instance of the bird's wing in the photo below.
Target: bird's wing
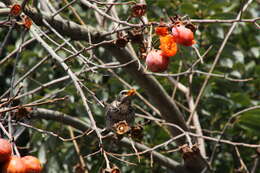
{"x": 111, "y": 114}
{"x": 131, "y": 115}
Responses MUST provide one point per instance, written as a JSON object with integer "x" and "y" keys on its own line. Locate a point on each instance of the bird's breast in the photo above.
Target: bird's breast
{"x": 124, "y": 109}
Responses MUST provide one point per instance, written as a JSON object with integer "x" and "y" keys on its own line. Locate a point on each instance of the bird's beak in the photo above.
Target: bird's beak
{"x": 131, "y": 92}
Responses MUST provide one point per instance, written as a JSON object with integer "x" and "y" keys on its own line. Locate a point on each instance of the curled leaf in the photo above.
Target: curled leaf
{"x": 121, "y": 127}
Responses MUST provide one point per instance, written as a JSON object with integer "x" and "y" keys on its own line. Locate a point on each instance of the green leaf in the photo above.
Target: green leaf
{"x": 187, "y": 8}
{"x": 241, "y": 98}
{"x": 250, "y": 121}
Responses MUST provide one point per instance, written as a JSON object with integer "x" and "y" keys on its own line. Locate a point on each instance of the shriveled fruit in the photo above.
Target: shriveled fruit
{"x": 138, "y": 10}
{"x": 32, "y": 164}
{"x": 156, "y": 62}
{"x": 5, "y": 150}
{"x": 183, "y": 35}
{"x": 14, "y": 165}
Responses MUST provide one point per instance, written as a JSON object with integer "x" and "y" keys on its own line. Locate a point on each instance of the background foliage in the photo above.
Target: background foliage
{"x": 221, "y": 99}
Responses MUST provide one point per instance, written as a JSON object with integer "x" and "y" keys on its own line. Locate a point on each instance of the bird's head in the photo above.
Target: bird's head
{"x": 126, "y": 95}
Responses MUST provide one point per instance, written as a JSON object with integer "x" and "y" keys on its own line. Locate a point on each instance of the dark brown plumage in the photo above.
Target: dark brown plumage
{"x": 120, "y": 110}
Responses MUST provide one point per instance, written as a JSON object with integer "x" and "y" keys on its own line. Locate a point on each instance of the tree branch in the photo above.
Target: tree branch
{"x": 64, "y": 27}
{"x": 148, "y": 83}
{"x": 40, "y": 113}
{"x": 151, "y": 86}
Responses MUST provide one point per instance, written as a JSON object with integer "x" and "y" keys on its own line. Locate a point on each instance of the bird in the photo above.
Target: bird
{"x": 120, "y": 112}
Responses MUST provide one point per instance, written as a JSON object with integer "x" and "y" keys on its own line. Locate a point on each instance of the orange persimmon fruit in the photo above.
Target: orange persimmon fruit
{"x": 32, "y": 164}
{"x": 156, "y": 61}
{"x": 168, "y": 45}
{"x": 5, "y": 150}
{"x": 183, "y": 35}
{"x": 14, "y": 165}
{"x": 161, "y": 30}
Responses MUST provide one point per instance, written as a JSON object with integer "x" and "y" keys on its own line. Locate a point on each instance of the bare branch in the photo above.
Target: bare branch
{"x": 40, "y": 113}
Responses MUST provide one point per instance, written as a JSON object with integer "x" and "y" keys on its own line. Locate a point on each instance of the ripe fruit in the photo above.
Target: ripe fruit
{"x": 5, "y": 150}
{"x": 32, "y": 164}
{"x": 168, "y": 45}
{"x": 183, "y": 35}
{"x": 16, "y": 10}
{"x": 161, "y": 30}
{"x": 156, "y": 61}
{"x": 14, "y": 165}
{"x": 27, "y": 22}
